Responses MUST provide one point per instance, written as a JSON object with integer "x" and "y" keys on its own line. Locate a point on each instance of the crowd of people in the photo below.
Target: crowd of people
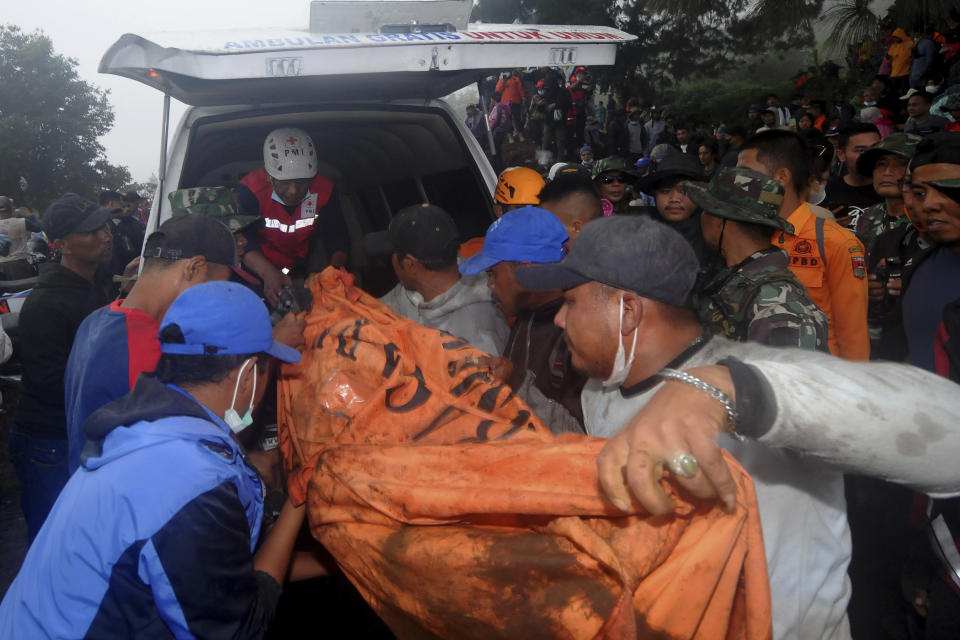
{"x": 760, "y": 288}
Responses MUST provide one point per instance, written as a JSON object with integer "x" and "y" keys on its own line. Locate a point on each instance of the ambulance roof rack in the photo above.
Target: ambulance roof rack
{"x": 389, "y": 16}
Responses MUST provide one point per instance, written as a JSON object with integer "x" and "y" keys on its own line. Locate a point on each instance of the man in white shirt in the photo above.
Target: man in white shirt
{"x": 629, "y": 325}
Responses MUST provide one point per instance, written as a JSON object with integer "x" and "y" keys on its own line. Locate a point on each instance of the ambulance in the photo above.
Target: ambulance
{"x": 366, "y": 79}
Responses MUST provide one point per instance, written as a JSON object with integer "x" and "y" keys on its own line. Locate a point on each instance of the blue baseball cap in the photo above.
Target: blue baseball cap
{"x": 222, "y": 318}
{"x": 528, "y": 234}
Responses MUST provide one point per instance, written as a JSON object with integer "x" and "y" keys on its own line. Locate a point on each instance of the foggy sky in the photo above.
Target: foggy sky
{"x": 84, "y": 29}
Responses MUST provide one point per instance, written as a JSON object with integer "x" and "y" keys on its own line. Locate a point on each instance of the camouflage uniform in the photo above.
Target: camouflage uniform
{"x": 761, "y": 300}
{"x": 216, "y": 202}
{"x": 875, "y": 220}
{"x": 758, "y": 299}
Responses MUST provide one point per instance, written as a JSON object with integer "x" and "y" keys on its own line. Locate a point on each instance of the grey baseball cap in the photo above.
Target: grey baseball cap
{"x": 632, "y": 253}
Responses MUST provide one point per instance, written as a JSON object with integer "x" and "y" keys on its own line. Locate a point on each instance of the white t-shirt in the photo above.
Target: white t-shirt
{"x": 802, "y": 510}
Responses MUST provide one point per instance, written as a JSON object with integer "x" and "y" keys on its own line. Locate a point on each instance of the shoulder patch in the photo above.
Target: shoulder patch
{"x": 802, "y": 246}
{"x": 859, "y": 266}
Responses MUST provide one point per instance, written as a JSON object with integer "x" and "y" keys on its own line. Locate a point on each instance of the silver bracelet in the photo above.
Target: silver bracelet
{"x": 709, "y": 389}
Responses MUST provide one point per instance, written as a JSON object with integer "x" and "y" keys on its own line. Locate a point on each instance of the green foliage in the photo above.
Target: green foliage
{"x": 851, "y": 22}
{"x": 676, "y": 39}
{"x": 708, "y": 102}
{"x": 50, "y": 122}
{"x": 915, "y": 14}
{"x": 146, "y": 189}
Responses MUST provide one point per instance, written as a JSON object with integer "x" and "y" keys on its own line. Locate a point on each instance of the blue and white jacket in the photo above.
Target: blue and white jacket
{"x": 153, "y": 538}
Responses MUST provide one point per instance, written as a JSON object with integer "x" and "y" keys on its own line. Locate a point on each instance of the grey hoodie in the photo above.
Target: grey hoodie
{"x": 466, "y": 310}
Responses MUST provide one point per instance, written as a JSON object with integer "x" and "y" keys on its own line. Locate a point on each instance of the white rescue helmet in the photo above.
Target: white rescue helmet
{"x": 289, "y": 154}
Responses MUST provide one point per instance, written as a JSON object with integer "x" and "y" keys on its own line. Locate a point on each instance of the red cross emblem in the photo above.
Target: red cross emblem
{"x": 291, "y": 140}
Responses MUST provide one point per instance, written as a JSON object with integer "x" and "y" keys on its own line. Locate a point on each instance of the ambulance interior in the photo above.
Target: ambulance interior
{"x": 382, "y": 159}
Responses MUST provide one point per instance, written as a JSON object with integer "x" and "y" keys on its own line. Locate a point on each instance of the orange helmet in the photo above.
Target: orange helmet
{"x": 519, "y": 185}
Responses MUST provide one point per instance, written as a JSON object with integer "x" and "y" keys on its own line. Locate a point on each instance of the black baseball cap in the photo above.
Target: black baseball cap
{"x": 191, "y": 235}
{"x": 632, "y": 253}
{"x": 675, "y": 166}
{"x": 941, "y": 147}
{"x": 424, "y": 231}
{"x": 73, "y": 214}
{"x": 130, "y": 196}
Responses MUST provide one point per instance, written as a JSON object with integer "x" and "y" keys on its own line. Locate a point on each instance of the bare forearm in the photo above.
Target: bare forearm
{"x": 258, "y": 263}
{"x": 307, "y": 565}
{"x": 273, "y": 558}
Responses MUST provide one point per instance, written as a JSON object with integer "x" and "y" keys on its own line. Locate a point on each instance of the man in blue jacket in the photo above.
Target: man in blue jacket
{"x": 154, "y": 535}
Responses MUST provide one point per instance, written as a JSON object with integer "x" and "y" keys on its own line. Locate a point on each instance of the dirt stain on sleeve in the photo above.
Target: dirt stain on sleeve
{"x": 929, "y": 430}
{"x": 910, "y": 444}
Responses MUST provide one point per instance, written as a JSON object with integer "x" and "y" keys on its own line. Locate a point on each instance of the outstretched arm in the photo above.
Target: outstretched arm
{"x": 883, "y": 419}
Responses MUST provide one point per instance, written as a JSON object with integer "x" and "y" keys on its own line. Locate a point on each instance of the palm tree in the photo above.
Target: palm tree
{"x": 851, "y": 22}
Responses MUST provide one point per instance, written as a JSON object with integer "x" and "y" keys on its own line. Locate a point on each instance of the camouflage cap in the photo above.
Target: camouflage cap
{"x": 742, "y": 195}
{"x": 612, "y": 163}
{"x": 215, "y": 202}
{"x": 898, "y": 144}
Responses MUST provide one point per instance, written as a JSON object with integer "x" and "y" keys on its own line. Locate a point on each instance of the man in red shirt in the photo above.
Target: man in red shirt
{"x": 295, "y": 201}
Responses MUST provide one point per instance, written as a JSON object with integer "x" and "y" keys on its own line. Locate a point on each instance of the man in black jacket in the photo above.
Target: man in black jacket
{"x": 541, "y": 372}
{"x": 127, "y": 230}
{"x": 65, "y": 293}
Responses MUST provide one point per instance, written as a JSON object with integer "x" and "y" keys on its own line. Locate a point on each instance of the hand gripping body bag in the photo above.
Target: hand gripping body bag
{"x": 457, "y": 514}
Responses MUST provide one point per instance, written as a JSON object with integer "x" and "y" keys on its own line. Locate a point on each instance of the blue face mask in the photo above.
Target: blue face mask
{"x": 231, "y": 417}
{"x": 869, "y": 103}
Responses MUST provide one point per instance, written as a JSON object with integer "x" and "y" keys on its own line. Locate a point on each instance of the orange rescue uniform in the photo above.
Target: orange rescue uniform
{"x": 838, "y": 285}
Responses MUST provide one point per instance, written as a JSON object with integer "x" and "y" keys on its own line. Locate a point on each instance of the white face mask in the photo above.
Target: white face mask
{"x": 818, "y": 196}
{"x": 231, "y": 417}
{"x": 931, "y": 89}
{"x": 621, "y": 363}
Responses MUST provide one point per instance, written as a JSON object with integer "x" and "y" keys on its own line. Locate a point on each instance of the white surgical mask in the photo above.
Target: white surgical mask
{"x": 621, "y": 363}
{"x": 930, "y": 89}
{"x": 818, "y": 196}
{"x": 869, "y": 103}
{"x": 231, "y": 417}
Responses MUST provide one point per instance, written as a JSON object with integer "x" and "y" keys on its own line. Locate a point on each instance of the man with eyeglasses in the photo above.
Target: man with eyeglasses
{"x": 932, "y": 279}
{"x": 921, "y": 309}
